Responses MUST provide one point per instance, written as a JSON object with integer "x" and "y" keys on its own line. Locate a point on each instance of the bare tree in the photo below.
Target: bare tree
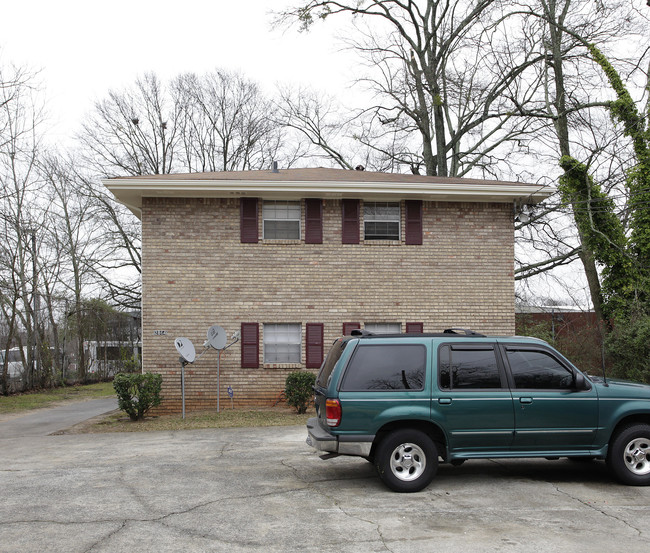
{"x": 449, "y": 72}
{"x": 225, "y": 123}
{"x": 133, "y": 132}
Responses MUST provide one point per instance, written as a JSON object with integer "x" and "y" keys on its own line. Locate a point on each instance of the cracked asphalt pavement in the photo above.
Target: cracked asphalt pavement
{"x": 265, "y": 489}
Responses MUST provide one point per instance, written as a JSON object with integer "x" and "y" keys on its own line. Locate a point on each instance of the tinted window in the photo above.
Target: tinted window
{"x": 538, "y": 370}
{"x": 468, "y": 368}
{"x": 386, "y": 367}
{"x": 330, "y": 362}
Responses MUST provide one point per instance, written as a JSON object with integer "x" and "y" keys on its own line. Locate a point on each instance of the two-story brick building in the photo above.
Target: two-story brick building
{"x": 294, "y": 258}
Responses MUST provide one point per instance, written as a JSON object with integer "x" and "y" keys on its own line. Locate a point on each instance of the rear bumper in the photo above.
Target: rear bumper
{"x": 320, "y": 439}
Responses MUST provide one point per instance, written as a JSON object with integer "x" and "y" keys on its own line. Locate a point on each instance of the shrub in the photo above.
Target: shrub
{"x": 298, "y": 389}
{"x": 628, "y": 346}
{"x": 137, "y": 393}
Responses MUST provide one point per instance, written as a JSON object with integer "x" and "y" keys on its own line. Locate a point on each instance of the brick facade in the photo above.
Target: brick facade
{"x": 197, "y": 272}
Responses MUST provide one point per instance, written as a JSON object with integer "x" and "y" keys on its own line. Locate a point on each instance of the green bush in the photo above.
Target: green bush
{"x": 628, "y": 347}
{"x": 137, "y": 393}
{"x": 298, "y": 389}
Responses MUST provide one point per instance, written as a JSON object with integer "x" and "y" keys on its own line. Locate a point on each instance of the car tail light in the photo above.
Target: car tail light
{"x": 333, "y": 412}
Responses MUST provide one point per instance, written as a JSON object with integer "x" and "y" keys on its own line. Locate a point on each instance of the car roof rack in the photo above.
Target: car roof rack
{"x": 463, "y": 331}
{"x": 447, "y": 333}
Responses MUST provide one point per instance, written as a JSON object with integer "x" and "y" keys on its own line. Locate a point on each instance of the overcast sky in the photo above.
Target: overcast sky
{"x": 85, "y": 48}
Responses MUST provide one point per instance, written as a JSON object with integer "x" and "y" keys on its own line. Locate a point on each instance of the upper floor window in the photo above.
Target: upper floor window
{"x": 381, "y": 220}
{"x": 281, "y": 220}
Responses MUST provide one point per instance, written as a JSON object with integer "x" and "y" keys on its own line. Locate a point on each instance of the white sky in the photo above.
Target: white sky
{"x": 85, "y": 48}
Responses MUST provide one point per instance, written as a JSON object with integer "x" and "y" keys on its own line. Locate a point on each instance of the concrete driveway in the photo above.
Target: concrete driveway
{"x": 264, "y": 490}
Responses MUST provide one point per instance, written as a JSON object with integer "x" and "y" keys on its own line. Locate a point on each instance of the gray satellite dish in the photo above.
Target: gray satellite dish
{"x": 217, "y": 337}
{"x": 185, "y": 347}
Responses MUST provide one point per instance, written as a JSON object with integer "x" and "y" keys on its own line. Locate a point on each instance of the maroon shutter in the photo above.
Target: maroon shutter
{"x": 250, "y": 345}
{"x": 248, "y": 220}
{"x": 414, "y": 222}
{"x": 349, "y": 327}
{"x": 313, "y": 221}
{"x": 414, "y": 327}
{"x": 314, "y": 345}
{"x": 350, "y": 229}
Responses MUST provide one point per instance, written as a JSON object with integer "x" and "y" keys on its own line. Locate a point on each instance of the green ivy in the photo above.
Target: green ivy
{"x": 602, "y": 232}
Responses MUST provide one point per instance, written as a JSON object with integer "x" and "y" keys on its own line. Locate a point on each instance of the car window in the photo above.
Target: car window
{"x": 539, "y": 370}
{"x": 386, "y": 367}
{"x": 333, "y": 356}
{"x": 468, "y": 368}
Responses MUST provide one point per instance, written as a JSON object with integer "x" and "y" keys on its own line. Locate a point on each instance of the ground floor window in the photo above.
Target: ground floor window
{"x": 384, "y": 328}
{"x": 282, "y": 343}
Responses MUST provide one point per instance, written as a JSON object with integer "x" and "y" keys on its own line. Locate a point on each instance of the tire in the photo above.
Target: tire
{"x": 628, "y": 456}
{"x": 406, "y": 460}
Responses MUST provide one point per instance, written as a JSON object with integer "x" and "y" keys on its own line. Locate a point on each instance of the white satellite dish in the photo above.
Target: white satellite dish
{"x": 217, "y": 337}
{"x": 185, "y": 348}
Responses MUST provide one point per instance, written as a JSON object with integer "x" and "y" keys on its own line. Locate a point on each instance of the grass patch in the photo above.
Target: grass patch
{"x": 237, "y": 418}
{"x": 37, "y": 400}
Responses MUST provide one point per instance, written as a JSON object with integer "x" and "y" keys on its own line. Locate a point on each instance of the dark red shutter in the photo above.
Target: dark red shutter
{"x": 314, "y": 345}
{"x": 250, "y": 345}
{"x": 248, "y": 220}
{"x": 414, "y": 222}
{"x": 313, "y": 221}
{"x": 349, "y": 327}
{"x": 414, "y": 327}
{"x": 350, "y": 230}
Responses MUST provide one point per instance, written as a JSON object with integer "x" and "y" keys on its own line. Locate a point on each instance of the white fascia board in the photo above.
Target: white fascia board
{"x": 131, "y": 191}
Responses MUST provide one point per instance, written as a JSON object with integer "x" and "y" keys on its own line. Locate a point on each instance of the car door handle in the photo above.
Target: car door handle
{"x": 525, "y": 400}
{"x": 444, "y": 401}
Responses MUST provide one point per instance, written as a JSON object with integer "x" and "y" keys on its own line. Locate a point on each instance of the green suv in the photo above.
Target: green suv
{"x": 404, "y": 401}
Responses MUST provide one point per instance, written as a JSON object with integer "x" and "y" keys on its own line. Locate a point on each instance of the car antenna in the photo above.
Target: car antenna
{"x": 602, "y": 361}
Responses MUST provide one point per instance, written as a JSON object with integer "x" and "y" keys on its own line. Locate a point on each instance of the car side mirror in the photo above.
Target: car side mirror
{"x": 580, "y": 383}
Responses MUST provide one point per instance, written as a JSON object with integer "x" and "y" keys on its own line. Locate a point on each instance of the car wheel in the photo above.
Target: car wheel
{"x": 406, "y": 460}
{"x": 629, "y": 455}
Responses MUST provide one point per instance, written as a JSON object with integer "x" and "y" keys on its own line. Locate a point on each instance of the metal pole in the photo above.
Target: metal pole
{"x": 183, "y": 386}
{"x": 218, "y": 369}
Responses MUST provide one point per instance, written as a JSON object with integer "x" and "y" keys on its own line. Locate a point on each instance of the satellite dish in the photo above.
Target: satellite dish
{"x": 217, "y": 337}
{"x": 185, "y": 347}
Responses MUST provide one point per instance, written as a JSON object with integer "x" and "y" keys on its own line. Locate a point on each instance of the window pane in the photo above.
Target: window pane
{"x": 381, "y": 220}
{"x": 443, "y": 359}
{"x": 386, "y": 367}
{"x": 474, "y": 369}
{"x": 384, "y": 328}
{"x": 538, "y": 370}
{"x": 282, "y": 343}
{"x": 281, "y": 220}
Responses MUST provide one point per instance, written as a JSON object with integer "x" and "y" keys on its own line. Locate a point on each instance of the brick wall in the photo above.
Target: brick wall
{"x": 197, "y": 273}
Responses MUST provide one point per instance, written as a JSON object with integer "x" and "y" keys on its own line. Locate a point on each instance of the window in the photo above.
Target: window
{"x": 538, "y": 370}
{"x": 384, "y": 328}
{"x": 466, "y": 367}
{"x": 281, "y": 220}
{"x": 386, "y": 367}
{"x": 282, "y": 343}
{"x": 381, "y": 220}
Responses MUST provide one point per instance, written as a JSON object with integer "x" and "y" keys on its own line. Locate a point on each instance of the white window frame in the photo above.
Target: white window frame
{"x": 279, "y": 337}
{"x": 383, "y": 328}
{"x": 379, "y": 218}
{"x": 277, "y": 211}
